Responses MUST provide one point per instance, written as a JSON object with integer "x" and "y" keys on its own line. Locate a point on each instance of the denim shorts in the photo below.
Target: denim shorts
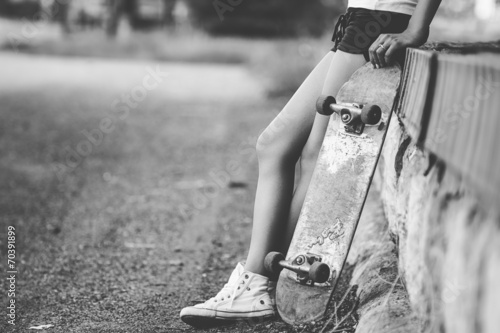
{"x": 357, "y": 29}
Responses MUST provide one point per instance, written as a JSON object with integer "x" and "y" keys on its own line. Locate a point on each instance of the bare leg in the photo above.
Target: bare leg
{"x": 279, "y": 148}
{"x": 342, "y": 67}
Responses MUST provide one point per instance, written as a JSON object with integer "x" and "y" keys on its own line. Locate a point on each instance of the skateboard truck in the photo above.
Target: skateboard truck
{"x": 309, "y": 267}
{"x": 354, "y": 116}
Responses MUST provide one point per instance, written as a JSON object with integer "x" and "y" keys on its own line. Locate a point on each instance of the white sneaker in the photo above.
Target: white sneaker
{"x": 245, "y": 296}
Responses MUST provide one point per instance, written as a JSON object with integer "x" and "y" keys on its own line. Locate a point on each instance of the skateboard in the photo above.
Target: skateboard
{"x": 334, "y": 201}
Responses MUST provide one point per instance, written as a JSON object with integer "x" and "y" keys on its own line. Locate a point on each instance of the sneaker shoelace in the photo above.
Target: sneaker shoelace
{"x": 230, "y": 291}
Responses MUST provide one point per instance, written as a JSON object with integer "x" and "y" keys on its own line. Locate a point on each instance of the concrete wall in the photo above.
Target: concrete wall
{"x": 448, "y": 241}
{"x": 444, "y": 223}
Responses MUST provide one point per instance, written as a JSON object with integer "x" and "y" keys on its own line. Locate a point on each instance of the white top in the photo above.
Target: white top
{"x": 398, "y": 6}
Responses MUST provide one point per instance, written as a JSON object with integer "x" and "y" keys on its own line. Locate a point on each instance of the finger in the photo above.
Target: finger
{"x": 387, "y": 45}
{"x": 381, "y": 56}
{"x": 389, "y": 54}
{"x": 380, "y": 50}
{"x": 373, "y": 50}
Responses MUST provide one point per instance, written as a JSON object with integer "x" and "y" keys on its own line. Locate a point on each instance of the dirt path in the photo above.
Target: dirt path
{"x": 123, "y": 240}
{"x": 117, "y": 231}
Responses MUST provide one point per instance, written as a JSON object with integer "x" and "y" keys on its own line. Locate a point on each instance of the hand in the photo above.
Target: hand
{"x": 383, "y": 49}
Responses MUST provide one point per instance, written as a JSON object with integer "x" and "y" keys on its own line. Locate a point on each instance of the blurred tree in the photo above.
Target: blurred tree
{"x": 60, "y": 10}
{"x": 168, "y": 12}
{"x": 117, "y": 9}
{"x": 265, "y": 17}
{"x": 114, "y": 8}
{"x": 19, "y": 9}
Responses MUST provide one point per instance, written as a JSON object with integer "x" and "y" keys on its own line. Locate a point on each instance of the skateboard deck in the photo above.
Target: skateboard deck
{"x": 337, "y": 193}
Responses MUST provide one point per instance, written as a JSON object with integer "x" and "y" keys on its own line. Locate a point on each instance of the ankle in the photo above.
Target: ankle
{"x": 256, "y": 269}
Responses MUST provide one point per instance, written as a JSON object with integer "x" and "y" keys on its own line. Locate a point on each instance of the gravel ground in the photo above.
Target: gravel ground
{"x": 153, "y": 219}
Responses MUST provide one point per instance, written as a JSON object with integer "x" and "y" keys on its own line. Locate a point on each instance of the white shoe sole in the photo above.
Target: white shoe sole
{"x": 208, "y": 322}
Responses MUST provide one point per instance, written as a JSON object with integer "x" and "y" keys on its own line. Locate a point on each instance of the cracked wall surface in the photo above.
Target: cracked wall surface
{"x": 448, "y": 240}
{"x": 428, "y": 259}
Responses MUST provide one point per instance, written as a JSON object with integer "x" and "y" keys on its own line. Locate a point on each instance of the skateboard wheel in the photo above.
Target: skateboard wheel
{"x": 272, "y": 262}
{"x": 319, "y": 272}
{"x": 371, "y": 114}
{"x": 323, "y": 105}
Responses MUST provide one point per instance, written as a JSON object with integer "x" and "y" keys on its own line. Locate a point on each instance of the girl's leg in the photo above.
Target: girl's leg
{"x": 278, "y": 149}
{"x": 294, "y": 132}
{"x": 342, "y": 66}
{"x": 289, "y": 137}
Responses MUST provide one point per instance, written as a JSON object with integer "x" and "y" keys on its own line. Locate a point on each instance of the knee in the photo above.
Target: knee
{"x": 271, "y": 148}
{"x": 266, "y": 147}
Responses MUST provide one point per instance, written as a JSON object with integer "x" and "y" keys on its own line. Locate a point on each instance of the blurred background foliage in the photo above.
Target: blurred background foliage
{"x": 281, "y": 40}
{"x": 17, "y": 9}
{"x": 267, "y": 18}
